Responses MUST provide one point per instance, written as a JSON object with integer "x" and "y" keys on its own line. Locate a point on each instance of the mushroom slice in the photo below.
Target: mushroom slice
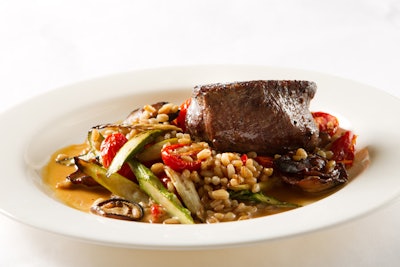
{"x": 312, "y": 174}
{"x": 118, "y": 208}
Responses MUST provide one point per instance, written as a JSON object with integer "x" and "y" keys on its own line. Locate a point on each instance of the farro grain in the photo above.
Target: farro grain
{"x": 251, "y": 181}
{"x": 246, "y": 173}
{"x": 171, "y": 221}
{"x": 153, "y": 121}
{"x": 167, "y": 108}
{"x": 300, "y": 154}
{"x": 250, "y": 165}
{"x": 329, "y": 154}
{"x": 220, "y": 194}
{"x": 255, "y": 188}
{"x": 330, "y": 165}
{"x": 227, "y": 203}
{"x": 243, "y": 217}
{"x": 240, "y": 208}
{"x": 61, "y": 157}
{"x": 217, "y": 161}
{"x": 240, "y": 179}
{"x": 195, "y": 177}
{"x": 107, "y": 132}
{"x": 212, "y": 219}
{"x": 230, "y": 170}
{"x": 219, "y": 216}
{"x": 219, "y": 207}
{"x": 234, "y": 182}
{"x": 162, "y": 117}
{"x": 145, "y": 115}
{"x": 149, "y": 108}
{"x": 218, "y": 171}
{"x": 215, "y": 180}
{"x": 204, "y": 154}
{"x": 216, "y": 202}
{"x": 224, "y": 181}
{"x": 237, "y": 163}
{"x": 157, "y": 168}
{"x": 229, "y": 216}
{"x": 268, "y": 171}
{"x": 184, "y": 141}
{"x": 186, "y": 158}
{"x": 225, "y": 159}
{"x": 321, "y": 153}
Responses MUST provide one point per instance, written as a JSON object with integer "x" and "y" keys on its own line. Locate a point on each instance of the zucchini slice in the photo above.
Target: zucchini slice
{"x": 131, "y": 148}
{"x": 115, "y": 183}
{"x": 154, "y": 152}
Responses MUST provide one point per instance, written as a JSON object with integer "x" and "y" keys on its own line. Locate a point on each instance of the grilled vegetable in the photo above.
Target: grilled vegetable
{"x": 130, "y": 148}
{"x": 247, "y": 195}
{"x": 343, "y": 148}
{"x": 150, "y": 184}
{"x": 312, "y": 174}
{"x": 326, "y": 122}
{"x": 117, "y": 208}
{"x": 109, "y": 149}
{"x": 153, "y": 152}
{"x": 180, "y": 120}
{"x": 115, "y": 183}
{"x": 181, "y": 157}
{"x": 187, "y": 191}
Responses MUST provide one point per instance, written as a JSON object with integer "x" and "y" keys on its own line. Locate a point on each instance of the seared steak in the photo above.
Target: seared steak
{"x": 267, "y": 117}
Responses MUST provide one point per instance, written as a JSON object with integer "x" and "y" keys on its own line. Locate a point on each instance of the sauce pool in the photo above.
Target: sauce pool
{"x": 78, "y": 197}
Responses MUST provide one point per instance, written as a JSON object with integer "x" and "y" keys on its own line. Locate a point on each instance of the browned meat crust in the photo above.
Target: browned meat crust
{"x": 268, "y": 117}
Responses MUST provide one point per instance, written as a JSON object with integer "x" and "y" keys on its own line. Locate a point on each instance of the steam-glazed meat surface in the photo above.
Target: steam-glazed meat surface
{"x": 267, "y": 117}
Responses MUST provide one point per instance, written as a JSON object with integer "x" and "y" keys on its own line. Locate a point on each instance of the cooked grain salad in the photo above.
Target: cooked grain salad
{"x": 169, "y": 163}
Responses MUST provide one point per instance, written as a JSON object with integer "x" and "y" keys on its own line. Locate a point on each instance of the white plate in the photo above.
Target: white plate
{"x": 32, "y": 131}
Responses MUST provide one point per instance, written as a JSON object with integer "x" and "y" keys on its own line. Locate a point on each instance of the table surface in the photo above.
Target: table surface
{"x": 48, "y": 44}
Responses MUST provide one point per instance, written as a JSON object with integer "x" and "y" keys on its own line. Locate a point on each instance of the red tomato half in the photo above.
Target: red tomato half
{"x": 343, "y": 148}
{"x": 109, "y": 148}
{"x": 176, "y": 158}
{"x": 326, "y": 122}
{"x": 180, "y": 121}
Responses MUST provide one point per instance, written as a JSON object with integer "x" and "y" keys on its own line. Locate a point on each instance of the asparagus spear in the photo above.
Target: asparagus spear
{"x": 150, "y": 184}
{"x": 247, "y": 195}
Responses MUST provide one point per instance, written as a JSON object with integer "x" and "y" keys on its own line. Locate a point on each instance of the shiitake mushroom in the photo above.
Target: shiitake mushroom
{"x": 118, "y": 208}
{"x": 312, "y": 174}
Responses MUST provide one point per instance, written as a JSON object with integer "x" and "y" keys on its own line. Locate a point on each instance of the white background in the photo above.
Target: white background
{"x": 48, "y": 44}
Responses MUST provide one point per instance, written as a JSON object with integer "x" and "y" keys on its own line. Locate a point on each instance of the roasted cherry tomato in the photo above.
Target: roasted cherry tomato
{"x": 343, "y": 148}
{"x": 176, "y": 157}
{"x": 326, "y": 122}
{"x": 244, "y": 158}
{"x": 156, "y": 211}
{"x": 109, "y": 148}
{"x": 180, "y": 121}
